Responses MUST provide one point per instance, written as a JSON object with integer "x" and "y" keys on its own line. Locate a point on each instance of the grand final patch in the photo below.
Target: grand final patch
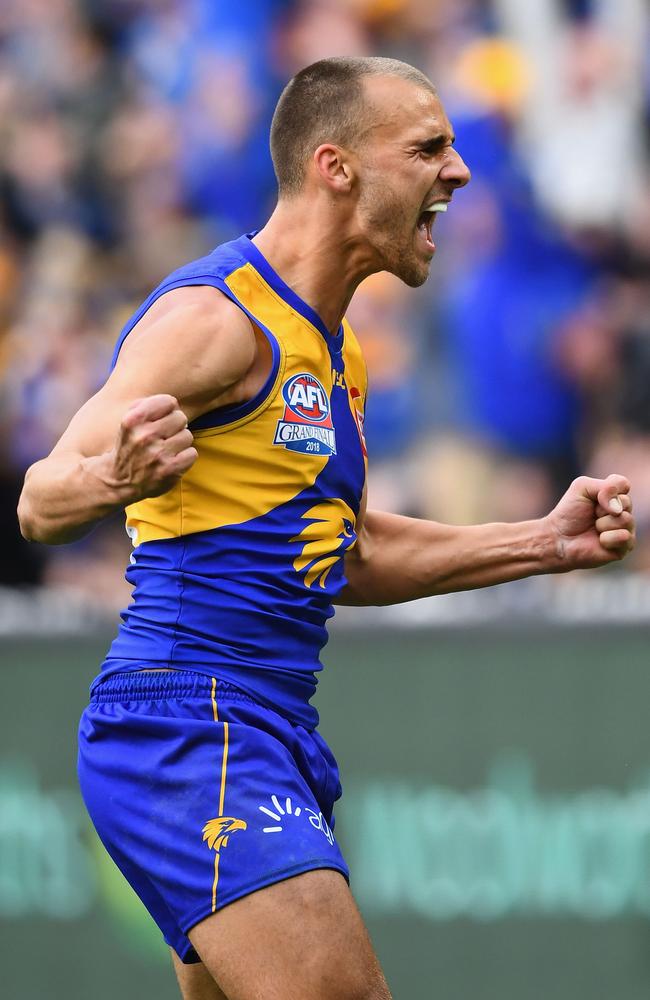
{"x": 306, "y": 425}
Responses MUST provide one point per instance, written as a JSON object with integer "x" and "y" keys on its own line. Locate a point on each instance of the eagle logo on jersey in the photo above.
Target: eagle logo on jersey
{"x": 325, "y": 540}
{"x": 217, "y": 831}
{"x": 306, "y": 424}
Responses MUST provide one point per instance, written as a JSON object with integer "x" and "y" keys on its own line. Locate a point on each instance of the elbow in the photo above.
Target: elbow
{"x": 25, "y": 512}
{"x": 26, "y": 520}
{"x": 32, "y": 527}
{"x": 44, "y": 518}
{"x": 35, "y": 529}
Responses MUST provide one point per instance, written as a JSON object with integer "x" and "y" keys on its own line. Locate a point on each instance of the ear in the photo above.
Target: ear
{"x": 333, "y": 167}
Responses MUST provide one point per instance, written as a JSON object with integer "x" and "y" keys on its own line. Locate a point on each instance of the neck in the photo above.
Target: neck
{"x": 317, "y": 256}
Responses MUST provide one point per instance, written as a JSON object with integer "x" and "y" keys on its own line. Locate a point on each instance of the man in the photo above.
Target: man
{"x": 199, "y": 758}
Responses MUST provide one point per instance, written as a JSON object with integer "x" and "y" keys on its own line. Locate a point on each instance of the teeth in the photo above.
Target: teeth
{"x": 438, "y": 206}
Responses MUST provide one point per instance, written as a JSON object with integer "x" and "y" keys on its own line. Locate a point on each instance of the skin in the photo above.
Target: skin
{"x": 195, "y": 982}
{"x": 356, "y": 214}
{"x": 310, "y": 941}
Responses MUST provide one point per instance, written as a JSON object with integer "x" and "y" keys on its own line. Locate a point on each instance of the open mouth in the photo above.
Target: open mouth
{"x": 426, "y": 220}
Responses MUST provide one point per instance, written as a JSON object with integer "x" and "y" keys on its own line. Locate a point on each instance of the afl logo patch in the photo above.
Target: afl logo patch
{"x": 306, "y": 425}
{"x": 306, "y": 398}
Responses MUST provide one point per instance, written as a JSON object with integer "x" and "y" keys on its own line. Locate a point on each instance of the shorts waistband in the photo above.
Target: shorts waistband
{"x": 144, "y": 685}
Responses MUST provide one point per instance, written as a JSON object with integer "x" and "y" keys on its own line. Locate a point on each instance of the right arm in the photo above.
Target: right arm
{"x": 131, "y": 439}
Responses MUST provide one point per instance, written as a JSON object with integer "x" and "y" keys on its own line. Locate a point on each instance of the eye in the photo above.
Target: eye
{"x": 432, "y": 149}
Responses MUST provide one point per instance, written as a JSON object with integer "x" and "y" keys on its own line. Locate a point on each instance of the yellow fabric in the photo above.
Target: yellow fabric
{"x": 239, "y": 473}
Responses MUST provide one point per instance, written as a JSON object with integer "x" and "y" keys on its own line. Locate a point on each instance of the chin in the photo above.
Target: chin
{"x": 415, "y": 278}
{"x": 407, "y": 265}
{"x": 412, "y": 273}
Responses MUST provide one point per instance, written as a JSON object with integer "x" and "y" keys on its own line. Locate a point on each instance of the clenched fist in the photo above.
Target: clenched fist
{"x": 153, "y": 448}
{"x": 593, "y": 522}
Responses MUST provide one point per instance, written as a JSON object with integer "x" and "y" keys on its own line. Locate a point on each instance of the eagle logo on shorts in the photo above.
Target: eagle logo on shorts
{"x": 216, "y": 831}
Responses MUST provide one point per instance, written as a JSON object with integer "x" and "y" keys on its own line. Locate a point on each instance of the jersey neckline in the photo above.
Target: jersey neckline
{"x": 260, "y": 263}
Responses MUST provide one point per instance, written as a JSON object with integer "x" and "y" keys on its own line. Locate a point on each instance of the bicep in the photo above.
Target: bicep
{"x": 195, "y": 349}
{"x": 94, "y": 427}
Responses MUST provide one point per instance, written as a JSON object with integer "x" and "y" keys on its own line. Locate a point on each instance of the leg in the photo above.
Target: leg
{"x": 303, "y": 937}
{"x": 195, "y": 981}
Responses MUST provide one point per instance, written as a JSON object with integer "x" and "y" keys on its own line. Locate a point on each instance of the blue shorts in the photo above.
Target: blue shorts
{"x": 201, "y": 795}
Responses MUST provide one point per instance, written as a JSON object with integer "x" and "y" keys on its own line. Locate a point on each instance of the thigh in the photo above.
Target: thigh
{"x": 195, "y": 982}
{"x": 303, "y": 937}
{"x": 199, "y": 803}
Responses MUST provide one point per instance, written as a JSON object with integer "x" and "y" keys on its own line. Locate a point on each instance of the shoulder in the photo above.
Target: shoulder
{"x": 197, "y": 311}
{"x": 193, "y": 343}
{"x": 195, "y": 321}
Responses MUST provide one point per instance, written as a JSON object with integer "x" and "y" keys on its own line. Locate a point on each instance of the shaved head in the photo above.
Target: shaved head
{"x": 326, "y": 102}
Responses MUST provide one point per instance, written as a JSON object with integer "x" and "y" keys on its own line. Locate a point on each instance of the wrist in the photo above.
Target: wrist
{"x": 552, "y": 548}
{"x": 113, "y": 491}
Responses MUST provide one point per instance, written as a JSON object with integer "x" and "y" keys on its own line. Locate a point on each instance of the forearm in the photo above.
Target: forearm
{"x": 65, "y": 496}
{"x": 402, "y": 559}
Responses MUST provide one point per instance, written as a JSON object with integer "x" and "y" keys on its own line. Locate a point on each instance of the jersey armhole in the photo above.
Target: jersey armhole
{"x": 233, "y": 412}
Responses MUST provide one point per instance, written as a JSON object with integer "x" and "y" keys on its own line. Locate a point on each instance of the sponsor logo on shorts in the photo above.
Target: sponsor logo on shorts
{"x": 306, "y": 425}
{"x": 280, "y": 812}
{"x": 318, "y": 821}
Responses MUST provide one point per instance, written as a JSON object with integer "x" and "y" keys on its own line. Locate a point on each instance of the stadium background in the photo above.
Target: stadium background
{"x": 493, "y": 746}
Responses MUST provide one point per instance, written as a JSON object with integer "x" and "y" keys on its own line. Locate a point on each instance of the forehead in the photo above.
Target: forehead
{"x": 400, "y": 109}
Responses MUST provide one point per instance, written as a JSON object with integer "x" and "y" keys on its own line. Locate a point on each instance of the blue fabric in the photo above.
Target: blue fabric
{"x": 229, "y": 599}
{"x": 153, "y": 777}
{"x": 242, "y": 613}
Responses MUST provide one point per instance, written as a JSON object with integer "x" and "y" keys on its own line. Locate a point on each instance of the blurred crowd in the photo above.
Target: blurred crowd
{"x": 134, "y": 137}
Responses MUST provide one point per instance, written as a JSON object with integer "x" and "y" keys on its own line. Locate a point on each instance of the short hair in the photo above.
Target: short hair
{"x": 325, "y": 103}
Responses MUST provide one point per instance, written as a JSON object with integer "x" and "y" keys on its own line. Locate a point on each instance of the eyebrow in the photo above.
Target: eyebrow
{"x": 435, "y": 142}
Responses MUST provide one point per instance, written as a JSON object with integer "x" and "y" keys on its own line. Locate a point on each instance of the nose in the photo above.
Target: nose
{"x": 455, "y": 171}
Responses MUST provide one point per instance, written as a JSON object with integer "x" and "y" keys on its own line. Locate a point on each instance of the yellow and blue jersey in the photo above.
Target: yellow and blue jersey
{"x": 235, "y": 568}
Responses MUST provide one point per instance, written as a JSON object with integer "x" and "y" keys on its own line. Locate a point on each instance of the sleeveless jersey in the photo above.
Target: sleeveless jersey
{"x": 235, "y": 568}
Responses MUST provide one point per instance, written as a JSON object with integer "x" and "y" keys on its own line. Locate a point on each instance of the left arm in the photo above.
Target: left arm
{"x": 400, "y": 559}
